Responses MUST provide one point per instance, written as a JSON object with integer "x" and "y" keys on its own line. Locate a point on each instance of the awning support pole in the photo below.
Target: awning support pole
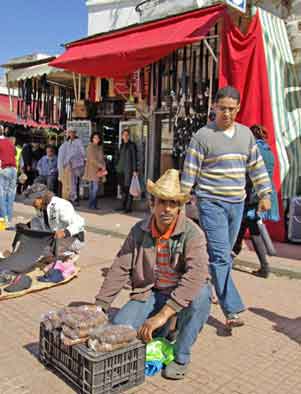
{"x": 210, "y": 84}
{"x": 79, "y": 86}
{"x": 74, "y": 86}
{"x": 210, "y": 50}
{"x": 11, "y": 103}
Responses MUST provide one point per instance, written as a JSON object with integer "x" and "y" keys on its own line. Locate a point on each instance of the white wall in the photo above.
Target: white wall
{"x": 106, "y": 15}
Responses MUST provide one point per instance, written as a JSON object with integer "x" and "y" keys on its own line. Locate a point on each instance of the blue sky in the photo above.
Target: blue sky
{"x": 30, "y": 26}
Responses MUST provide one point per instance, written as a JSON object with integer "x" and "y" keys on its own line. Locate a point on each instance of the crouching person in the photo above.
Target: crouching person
{"x": 164, "y": 258}
{"x": 59, "y": 216}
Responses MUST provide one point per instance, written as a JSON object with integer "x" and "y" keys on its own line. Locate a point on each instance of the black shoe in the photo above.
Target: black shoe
{"x": 262, "y": 273}
{"x": 120, "y": 209}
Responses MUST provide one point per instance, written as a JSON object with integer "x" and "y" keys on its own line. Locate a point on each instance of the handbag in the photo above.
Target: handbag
{"x": 268, "y": 243}
{"x": 102, "y": 172}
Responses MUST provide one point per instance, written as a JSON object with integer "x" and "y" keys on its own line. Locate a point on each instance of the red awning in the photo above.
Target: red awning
{"x": 123, "y": 52}
{"x": 11, "y": 117}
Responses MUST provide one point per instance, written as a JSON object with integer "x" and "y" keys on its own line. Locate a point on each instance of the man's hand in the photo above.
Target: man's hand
{"x": 60, "y": 234}
{"x": 264, "y": 205}
{"x": 145, "y": 332}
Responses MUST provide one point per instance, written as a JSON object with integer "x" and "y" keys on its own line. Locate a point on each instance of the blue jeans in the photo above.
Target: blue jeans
{"x": 93, "y": 194}
{"x": 190, "y": 320}
{"x": 220, "y": 222}
{"x": 8, "y": 186}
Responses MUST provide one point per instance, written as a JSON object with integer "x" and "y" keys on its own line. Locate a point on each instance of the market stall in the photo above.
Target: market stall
{"x": 38, "y": 93}
{"x": 181, "y": 61}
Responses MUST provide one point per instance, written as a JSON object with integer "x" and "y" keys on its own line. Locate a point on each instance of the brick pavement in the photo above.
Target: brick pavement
{"x": 262, "y": 357}
{"x": 106, "y": 221}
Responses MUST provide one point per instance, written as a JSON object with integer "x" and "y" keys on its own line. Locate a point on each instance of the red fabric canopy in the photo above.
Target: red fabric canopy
{"x": 121, "y": 53}
{"x": 11, "y": 117}
{"x": 243, "y": 65}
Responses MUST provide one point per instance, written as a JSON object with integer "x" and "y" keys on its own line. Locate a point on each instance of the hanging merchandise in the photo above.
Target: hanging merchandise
{"x": 121, "y": 87}
{"x": 43, "y": 101}
{"x": 183, "y": 131}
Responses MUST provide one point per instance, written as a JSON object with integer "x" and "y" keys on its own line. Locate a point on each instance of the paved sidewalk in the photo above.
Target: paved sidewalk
{"x": 262, "y": 357}
{"x": 107, "y": 222}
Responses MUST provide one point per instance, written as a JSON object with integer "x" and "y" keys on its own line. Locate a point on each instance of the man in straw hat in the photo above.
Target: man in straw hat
{"x": 164, "y": 258}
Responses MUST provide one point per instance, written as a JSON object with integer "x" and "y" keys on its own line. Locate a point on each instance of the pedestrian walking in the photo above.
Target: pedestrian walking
{"x": 95, "y": 168}
{"x": 8, "y": 178}
{"x": 76, "y": 162}
{"x": 127, "y": 167}
{"x": 251, "y": 217}
{"x": 217, "y": 160}
{"x": 64, "y": 173}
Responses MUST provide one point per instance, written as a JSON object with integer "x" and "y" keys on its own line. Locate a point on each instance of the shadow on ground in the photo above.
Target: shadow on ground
{"x": 33, "y": 349}
{"x": 282, "y": 324}
{"x": 221, "y": 329}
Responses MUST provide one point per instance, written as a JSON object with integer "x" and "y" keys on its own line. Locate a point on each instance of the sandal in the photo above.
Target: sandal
{"x": 175, "y": 371}
{"x": 233, "y": 320}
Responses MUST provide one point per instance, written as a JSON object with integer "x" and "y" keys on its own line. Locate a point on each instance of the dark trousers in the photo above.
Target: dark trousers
{"x": 256, "y": 240}
{"x": 127, "y": 199}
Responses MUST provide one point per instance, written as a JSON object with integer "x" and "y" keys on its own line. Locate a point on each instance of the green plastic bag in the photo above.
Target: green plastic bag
{"x": 160, "y": 349}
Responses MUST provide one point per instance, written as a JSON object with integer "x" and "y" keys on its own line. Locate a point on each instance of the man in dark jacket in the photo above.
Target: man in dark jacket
{"x": 127, "y": 167}
{"x": 165, "y": 260}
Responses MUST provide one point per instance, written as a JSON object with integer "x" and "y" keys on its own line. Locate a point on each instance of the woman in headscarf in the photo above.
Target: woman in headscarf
{"x": 250, "y": 218}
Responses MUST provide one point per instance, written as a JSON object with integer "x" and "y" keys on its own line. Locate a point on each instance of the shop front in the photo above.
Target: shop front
{"x": 166, "y": 73}
{"x": 161, "y": 90}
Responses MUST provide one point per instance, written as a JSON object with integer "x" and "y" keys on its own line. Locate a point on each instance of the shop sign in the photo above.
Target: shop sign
{"x": 240, "y": 5}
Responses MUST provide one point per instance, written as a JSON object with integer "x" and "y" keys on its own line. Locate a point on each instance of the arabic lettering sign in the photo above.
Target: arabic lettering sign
{"x": 240, "y": 5}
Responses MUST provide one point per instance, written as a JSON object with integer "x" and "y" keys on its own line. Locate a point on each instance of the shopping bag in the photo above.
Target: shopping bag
{"x": 135, "y": 189}
{"x": 268, "y": 243}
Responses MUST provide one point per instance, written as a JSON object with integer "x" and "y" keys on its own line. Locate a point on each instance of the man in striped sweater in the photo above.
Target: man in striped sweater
{"x": 219, "y": 156}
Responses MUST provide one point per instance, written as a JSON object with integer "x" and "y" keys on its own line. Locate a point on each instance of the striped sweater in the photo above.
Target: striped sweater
{"x": 166, "y": 276}
{"x": 217, "y": 165}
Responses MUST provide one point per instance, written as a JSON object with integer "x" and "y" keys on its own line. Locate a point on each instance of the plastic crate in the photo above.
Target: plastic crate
{"x": 93, "y": 373}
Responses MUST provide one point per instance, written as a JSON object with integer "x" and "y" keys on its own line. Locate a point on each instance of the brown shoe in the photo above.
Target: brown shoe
{"x": 233, "y": 320}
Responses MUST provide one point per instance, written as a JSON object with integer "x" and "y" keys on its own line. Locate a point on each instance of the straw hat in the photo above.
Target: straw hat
{"x": 168, "y": 187}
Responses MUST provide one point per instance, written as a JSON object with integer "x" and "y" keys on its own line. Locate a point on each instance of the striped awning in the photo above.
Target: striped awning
{"x": 285, "y": 92}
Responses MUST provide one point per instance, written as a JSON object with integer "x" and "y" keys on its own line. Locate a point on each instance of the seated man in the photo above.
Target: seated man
{"x": 165, "y": 260}
{"x": 59, "y": 216}
{"x": 47, "y": 169}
